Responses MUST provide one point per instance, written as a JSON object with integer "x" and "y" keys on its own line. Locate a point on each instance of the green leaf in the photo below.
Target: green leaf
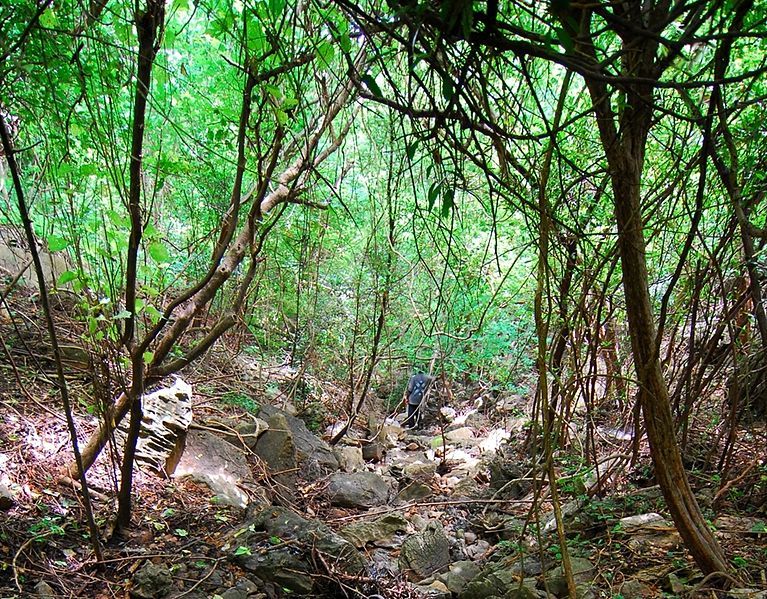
{"x": 66, "y": 277}
{"x": 434, "y": 192}
{"x": 48, "y": 19}
{"x": 325, "y": 54}
{"x": 56, "y": 243}
{"x": 276, "y": 7}
{"x": 242, "y": 550}
{"x": 411, "y": 149}
{"x": 159, "y": 252}
{"x": 153, "y": 313}
{"x": 371, "y": 84}
{"x": 448, "y": 202}
{"x": 448, "y": 90}
{"x": 122, "y": 314}
{"x": 148, "y": 356}
{"x": 181, "y": 532}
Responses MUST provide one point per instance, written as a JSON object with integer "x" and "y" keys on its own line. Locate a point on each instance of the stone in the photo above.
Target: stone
{"x": 43, "y": 589}
{"x": 460, "y": 435}
{"x": 234, "y": 593}
{"x": 210, "y": 460}
{"x": 315, "y": 457}
{"x": 350, "y": 458}
{"x": 151, "y": 581}
{"x": 459, "y": 575}
{"x": 425, "y": 553}
{"x": 640, "y": 521}
{"x": 497, "y": 581}
{"x": 636, "y": 589}
{"x": 357, "y": 490}
{"x": 166, "y": 416}
{"x": 583, "y": 572}
{"x": 413, "y": 492}
{"x": 6, "y": 498}
{"x": 279, "y": 546}
{"x": 241, "y": 434}
{"x": 278, "y": 449}
{"x": 435, "y": 590}
{"x": 478, "y": 549}
{"x": 420, "y": 471}
{"x": 372, "y": 452}
{"x": 380, "y": 529}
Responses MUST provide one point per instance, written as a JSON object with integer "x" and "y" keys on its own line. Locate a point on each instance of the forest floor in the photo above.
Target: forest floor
{"x": 45, "y": 549}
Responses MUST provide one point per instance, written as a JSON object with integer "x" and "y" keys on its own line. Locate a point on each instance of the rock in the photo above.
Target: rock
{"x": 357, "y": 490}
{"x": 499, "y": 581}
{"x": 435, "y": 590}
{"x": 210, "y": 460}
{"x": 478, "y": 549}
{"x": 459, "y": 575}
{"x": 420, "y": 471}
{"x": 638, "y": 522}
{"x": 280, "y": 547}
{"x": 166, "y": 416}
{"x": 350, "y": 458}
{"x": 43, "y": 589}
{"x": 413, "y": 492}
{"x": 466, "y": 487}
{"x": 583, "y": 572}
{"x": 425, "y": 553}
{"x": 635, "y": 589}
{"x": 278, "y": 449}
{"x": 460, "y": 435}
{"x": 234, "y": 593}
{"x": 151, "y": 581}
{"x": 493, "y": 440}
{"x": 6, "y": 498}
{"x": 315, "y": 457}
{"x": 372, "y": 452}
{"x": 242, "y": 435}
{"x": 381, "y": 529}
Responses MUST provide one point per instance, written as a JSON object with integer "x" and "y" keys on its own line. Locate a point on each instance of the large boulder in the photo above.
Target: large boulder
{"x": 280, "y": 547}
{"x": 358, "y": 490}
{"x": 210, "y": 460}
{"x": 277, "y": 448}
{"x": 315, "y": 457}
{"x": 425, "y": 553}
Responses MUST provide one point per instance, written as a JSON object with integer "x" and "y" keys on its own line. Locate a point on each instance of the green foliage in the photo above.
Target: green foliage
{"x": 241, "y": 400}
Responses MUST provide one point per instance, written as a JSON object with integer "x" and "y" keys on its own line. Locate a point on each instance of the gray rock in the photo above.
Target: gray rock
{"x": 425, "y": 553}
{"x": 234, "y": 593}
{"x": 166, "y": 416}
{"x": 381, "y": 529}
{"x": 372, "y": 452}
{"x": 498, "y": 581}
{"x": 278, "y": 449}
{"x": 636, "y": 589}
{"x": 280, "y": 547}
{"x": 151, "y": 581}
{"x": 43, "y": 589}
{"x": 420, "y": 471}
{"x": 350, "y": 458}
{"x": 358, "y": 490}
{"x": 210, "y": 460}
{"x": 435, "y": 590}
{"x": 413, "y": 492}
{"x": 459, "y": 575}
{"x": 583, "y": 572}
{"x": 460, "y": 435}
{"x": 6, "y": 498}
{"x": 315, "y": 457}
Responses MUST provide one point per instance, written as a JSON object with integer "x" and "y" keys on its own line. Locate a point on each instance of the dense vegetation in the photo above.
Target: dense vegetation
{"x": 561, "y": 198}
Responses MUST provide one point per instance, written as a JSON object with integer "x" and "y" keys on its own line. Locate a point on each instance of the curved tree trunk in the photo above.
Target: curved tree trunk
{"x": 623, "y": 129}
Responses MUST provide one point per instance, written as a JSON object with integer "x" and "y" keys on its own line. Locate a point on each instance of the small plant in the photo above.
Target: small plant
{"x": 240, "y": 400}
{"x": 46, "y": 527}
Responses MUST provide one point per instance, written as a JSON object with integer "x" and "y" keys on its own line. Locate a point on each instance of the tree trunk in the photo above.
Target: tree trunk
{"x": 653, "y": 393}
